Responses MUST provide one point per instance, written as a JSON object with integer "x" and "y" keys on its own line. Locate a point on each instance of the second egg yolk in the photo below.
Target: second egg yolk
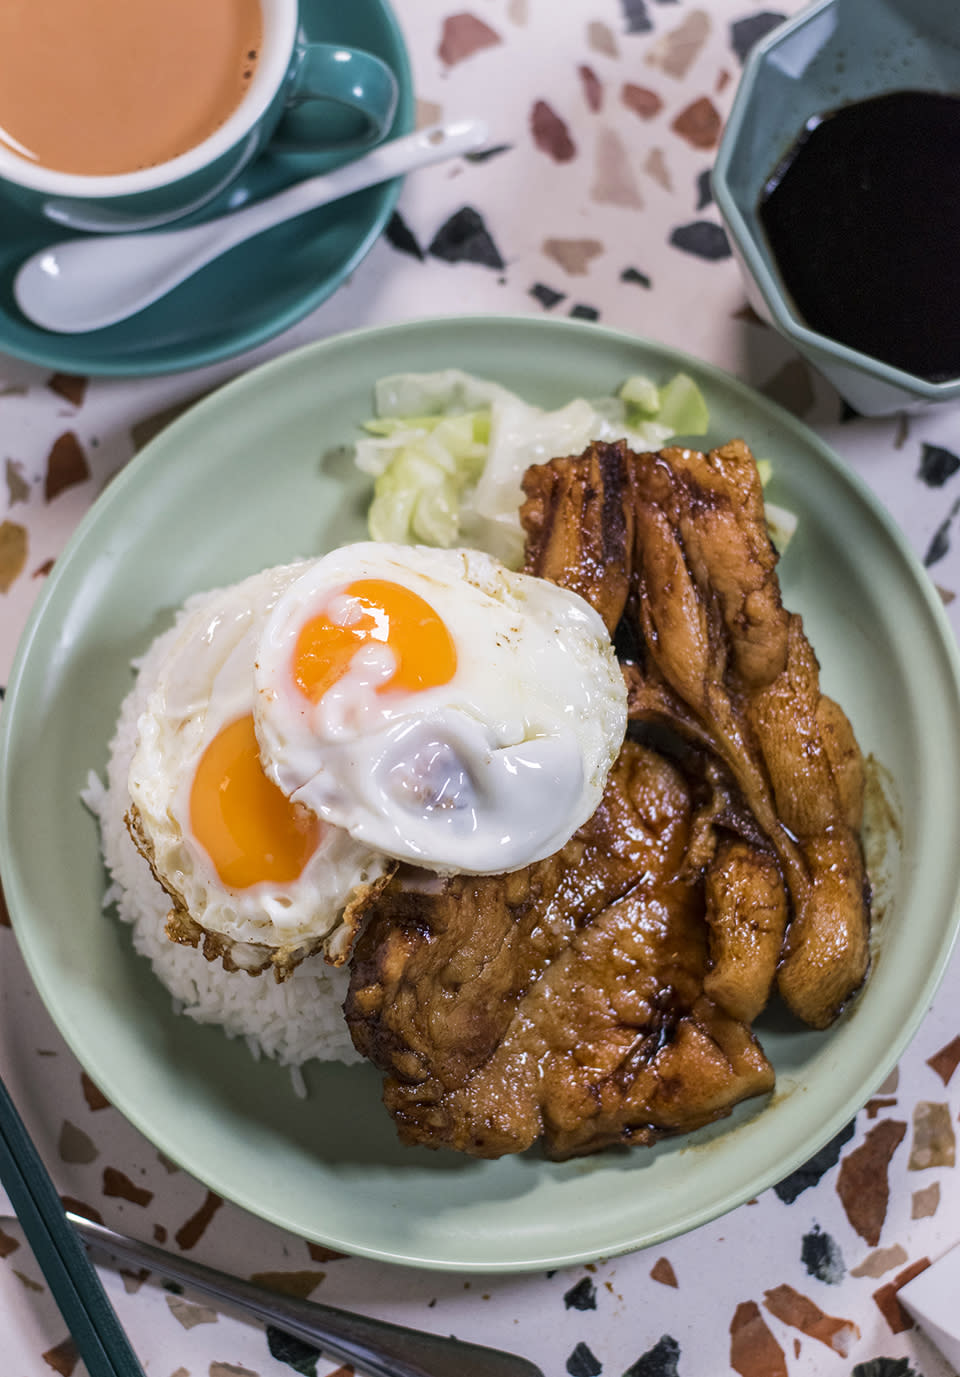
{"x": 249, "y": 829}
{"x": 390, "y": 613}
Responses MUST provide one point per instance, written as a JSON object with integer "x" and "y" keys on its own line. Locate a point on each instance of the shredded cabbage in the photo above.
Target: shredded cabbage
{"x": 448, "y": 450}
{"x": 781, "y": 523}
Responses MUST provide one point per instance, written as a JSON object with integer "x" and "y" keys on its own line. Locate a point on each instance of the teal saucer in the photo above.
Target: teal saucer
{"x": 257, "y": 289}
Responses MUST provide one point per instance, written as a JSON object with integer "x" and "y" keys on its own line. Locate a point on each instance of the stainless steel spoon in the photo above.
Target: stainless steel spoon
{"x": 372, "y": 1346}
{"x": 89, "y": 282}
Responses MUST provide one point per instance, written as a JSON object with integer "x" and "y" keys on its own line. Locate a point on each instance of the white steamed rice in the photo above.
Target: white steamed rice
{"x": 292, "y": 1022}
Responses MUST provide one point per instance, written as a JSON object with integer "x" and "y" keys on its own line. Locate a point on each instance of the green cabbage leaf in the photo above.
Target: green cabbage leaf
{"x": 448, "y": 450}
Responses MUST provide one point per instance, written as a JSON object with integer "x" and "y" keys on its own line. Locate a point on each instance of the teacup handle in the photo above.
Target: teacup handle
{"x": 337, "y": 98}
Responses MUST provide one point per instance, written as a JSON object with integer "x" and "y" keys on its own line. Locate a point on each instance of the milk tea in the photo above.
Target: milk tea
{"x": 112, "y": 86}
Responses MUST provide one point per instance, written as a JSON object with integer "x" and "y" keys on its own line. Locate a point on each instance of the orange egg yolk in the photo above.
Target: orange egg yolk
{"x": 422, "y": 646}
{"x": 249, "y": 829}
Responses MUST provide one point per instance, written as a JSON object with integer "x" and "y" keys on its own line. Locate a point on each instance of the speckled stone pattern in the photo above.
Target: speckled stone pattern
{"x": 594, "y": 201}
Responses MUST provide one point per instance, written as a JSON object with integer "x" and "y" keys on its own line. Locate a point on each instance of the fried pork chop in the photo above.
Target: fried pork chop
{"x": 564, "y": 1001}
{"x": 605, "y": 994}
{"x": 672, "y": 549}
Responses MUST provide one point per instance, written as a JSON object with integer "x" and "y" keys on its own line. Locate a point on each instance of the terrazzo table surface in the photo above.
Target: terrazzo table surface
{"x": 606, "y": 114}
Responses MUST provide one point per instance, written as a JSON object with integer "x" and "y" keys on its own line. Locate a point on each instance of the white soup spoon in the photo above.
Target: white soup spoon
{"x": 87, "y": 283}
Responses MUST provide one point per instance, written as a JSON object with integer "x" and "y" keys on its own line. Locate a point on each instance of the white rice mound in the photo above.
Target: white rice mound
{"x": 292, "y": 1022}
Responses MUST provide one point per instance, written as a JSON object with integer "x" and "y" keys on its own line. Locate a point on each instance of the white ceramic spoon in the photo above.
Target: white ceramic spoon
{"x": 87, "y": 283}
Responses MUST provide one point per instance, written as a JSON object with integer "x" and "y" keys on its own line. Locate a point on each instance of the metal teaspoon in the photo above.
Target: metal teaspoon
{"x": 373, "y": 1346}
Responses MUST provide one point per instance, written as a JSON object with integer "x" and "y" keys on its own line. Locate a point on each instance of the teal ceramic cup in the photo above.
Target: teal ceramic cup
{"x": 832, "y": 53}
{"x": 309, "y": 95}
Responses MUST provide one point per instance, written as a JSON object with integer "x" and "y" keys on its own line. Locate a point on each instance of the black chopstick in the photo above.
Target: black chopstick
{"x": 90, "y": 1318}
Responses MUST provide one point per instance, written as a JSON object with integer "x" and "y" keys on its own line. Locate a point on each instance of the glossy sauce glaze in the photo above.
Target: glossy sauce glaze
{"x": 863, "y": 219}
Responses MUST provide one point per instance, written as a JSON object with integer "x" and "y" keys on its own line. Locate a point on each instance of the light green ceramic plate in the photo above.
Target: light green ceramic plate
{"x": 239, "y": 483}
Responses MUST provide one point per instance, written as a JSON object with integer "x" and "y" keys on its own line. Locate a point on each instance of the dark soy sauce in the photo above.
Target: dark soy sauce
{"x": 863, "y": 220}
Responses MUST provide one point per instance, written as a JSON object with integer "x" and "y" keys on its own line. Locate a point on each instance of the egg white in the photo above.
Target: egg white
{"x": 486, "y": 773}
{"x": 202, "y": 684}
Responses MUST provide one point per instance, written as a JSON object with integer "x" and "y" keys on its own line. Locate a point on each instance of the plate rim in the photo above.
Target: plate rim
{"x": 262, "y": 376}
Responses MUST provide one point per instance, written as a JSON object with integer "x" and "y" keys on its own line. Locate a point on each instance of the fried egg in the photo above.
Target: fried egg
{"x": 243, "y": 860}
{"x": 438, "y": 707}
